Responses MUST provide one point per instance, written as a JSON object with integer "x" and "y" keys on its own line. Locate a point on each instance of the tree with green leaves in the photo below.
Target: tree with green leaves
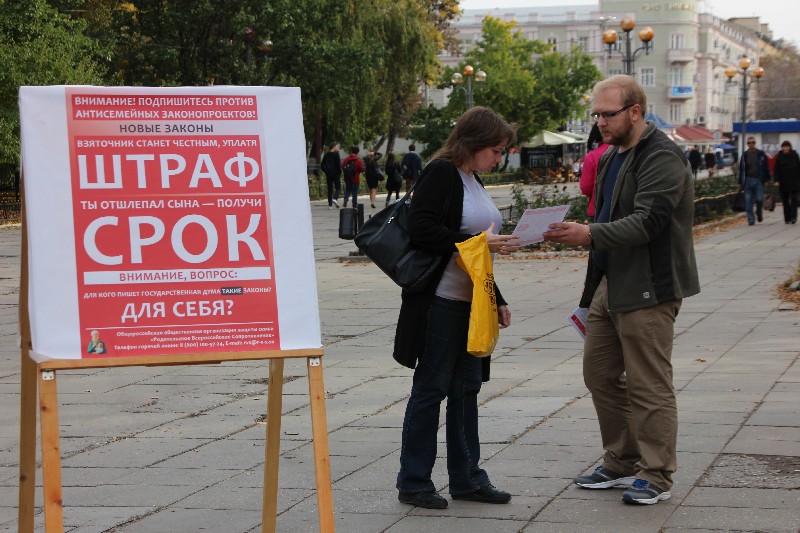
{"x": 527, "y": 83}
{"x": 38, "y": 46}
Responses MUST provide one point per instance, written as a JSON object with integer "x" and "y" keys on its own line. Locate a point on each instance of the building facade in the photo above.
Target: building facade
{"x": 684, "y": 72}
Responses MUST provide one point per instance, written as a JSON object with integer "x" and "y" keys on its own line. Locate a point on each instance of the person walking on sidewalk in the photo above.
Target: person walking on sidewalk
{"x": 373, "y": 174}
{"x": 331, "y": 165}
{"x": 450, "y": 206}
{"x": 352, "y": 167}
{"x": 411, "y": 166}
{"x": 711, "y": 162}
{"x": 641, "y": 266}
{"x": 787, "y": 176}
{"x": 753, "y": 173}
{"x": 393, "y": 179}
{"x": 695, "y": 158}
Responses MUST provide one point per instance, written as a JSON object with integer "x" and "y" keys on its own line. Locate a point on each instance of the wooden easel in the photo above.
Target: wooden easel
{"x": 42, "y": 377}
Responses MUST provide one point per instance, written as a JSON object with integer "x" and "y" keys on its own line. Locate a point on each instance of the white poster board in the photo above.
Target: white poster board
{"x": 167, "y": 221}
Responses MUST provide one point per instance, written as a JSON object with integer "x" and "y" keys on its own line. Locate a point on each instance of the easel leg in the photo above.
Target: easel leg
{"x": 51, "y": 452}
{"x": 319, "y": 427}
{"x": 269, "y": 506}
{"x": 27, "y": 443}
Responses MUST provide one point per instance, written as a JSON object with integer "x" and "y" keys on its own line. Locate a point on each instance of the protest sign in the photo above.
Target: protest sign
{"x": 167, "y": 221}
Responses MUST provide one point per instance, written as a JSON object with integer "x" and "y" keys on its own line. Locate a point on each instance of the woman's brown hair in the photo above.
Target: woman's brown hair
{"x": 478, "y": 128}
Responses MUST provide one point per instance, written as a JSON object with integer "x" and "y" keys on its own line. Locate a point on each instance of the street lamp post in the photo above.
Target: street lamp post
{"x": 730, "y": 72}
{"x": 628, "y": 57}
{"x": 469, "y": 73}
{"x": 265, "y": 46}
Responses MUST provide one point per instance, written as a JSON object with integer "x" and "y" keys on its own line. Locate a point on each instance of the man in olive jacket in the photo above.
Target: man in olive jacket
{"x": 641, "y": 266}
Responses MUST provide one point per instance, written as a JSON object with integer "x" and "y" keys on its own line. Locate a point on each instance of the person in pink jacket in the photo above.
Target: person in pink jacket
{"x": 589, "y": 171}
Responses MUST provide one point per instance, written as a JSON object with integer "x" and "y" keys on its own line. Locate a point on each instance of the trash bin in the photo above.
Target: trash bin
{"x": 348, "y": 223}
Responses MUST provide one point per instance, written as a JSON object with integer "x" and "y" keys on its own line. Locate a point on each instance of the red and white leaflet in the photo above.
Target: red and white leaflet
{"x": 158, "y": 202}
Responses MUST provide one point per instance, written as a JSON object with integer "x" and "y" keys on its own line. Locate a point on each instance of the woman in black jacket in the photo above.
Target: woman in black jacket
{"x": 393, "y": 178}
{"x": 449, "y": 206}
{"x": 787, "y": 176}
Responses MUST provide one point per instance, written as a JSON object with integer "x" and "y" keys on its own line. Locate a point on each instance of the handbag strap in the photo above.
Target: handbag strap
{"x": 447, "y": 202}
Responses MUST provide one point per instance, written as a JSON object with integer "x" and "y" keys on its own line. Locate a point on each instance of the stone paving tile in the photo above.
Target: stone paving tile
{"x": 177, "y": 520}
{"x": 415, "y": 524}
{"x": 743, "y": 497}
{"x": 736, "y": 519}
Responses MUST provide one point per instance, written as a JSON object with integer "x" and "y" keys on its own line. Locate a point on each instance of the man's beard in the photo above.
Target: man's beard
{"x": 618, "y": 139}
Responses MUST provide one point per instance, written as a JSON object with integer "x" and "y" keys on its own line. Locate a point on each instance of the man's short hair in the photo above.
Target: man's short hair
{"x": 632, "y": 92}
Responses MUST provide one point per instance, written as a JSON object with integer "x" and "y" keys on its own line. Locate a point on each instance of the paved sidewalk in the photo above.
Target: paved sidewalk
{"x": 181, "y": 449}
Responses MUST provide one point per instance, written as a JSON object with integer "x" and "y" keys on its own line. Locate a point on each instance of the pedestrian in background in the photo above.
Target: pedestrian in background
{"x": 753, "y": 173}
{"x": 411, "y": 166}
{"x": 373, "y": 174}
{"x": 331, "y": 165}
{"x": 711, "y": 162}
{"x": 596, "y": 148}
{"x": 352, "y": 167}
{"x": 695, "y": 158}
{"x": 641, "y": 266}
{"x": 450, "y": 206}
{"x": 787, "y": 176}
{"x": 393, "y": 179}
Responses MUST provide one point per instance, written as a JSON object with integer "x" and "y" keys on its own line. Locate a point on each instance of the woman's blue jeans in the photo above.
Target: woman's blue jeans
{"x": 445, "y": 370}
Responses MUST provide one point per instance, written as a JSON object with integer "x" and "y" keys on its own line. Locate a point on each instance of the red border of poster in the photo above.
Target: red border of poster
{"x": 172, "y": 227}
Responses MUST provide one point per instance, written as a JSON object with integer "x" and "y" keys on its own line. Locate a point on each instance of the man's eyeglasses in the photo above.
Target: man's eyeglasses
{"x": 610, "y": 114}
{"x": 751, "y": 142}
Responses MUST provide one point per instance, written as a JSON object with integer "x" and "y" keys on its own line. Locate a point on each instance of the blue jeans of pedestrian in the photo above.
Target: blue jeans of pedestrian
{"x": 351, "y": 189}
{"x": 753, "y": 192}
{"x": 445, "y": 370}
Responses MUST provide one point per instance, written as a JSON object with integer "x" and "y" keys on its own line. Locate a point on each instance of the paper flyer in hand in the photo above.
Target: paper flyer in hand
{"x": 578, "y": 320}
{"x": 534, "y": 222}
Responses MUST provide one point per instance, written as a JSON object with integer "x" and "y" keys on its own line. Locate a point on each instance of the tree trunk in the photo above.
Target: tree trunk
{"x": 318, "y": 135}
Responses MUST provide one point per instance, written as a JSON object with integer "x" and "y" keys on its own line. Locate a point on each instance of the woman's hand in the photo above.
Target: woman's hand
{"x": 501, "y": 244}
{"x": 503, "y": 316}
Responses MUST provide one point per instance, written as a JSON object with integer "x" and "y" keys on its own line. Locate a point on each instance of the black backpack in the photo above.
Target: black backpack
{"x": 350, "y": 170}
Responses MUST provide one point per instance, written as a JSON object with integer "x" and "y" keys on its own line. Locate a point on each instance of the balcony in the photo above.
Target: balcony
{"x": 680, "y": 92}
{"x": 680, "y": 55}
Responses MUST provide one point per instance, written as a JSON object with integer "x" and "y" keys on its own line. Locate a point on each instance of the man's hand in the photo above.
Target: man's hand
{"x": 570, "y": 233}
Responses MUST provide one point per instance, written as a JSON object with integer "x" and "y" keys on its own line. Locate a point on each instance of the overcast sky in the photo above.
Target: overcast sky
{"x": 783, "y": 16}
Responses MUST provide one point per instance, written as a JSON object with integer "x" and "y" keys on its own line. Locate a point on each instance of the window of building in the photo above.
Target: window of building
{"x": 651, "y": 109}
{"x": 647, "y": 76}
{"x": 676, "y": 113}
{"x": 553, "y": 42}
{"x": 614, "y": 71}
{"x": 676, "y": 76}
{"x": 583, "y": 42}
{"x": 676, "y": 40}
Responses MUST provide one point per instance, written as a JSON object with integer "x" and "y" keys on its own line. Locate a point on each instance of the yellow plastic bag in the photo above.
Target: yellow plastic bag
{"x": 484, "y": 329}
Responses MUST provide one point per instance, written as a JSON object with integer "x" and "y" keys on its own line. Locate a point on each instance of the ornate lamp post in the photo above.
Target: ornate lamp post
{"x": 265, "y": 46}
{"x": 469, "y": 73}
{"x": 730, "y": 72}
{"x": 628, "y": 57}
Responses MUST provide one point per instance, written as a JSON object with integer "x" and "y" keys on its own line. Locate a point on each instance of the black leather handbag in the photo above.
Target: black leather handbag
{"x": 385, "y": 240}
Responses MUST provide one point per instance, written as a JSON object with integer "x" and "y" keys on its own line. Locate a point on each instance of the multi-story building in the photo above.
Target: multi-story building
{"x": 684, "y": 72}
